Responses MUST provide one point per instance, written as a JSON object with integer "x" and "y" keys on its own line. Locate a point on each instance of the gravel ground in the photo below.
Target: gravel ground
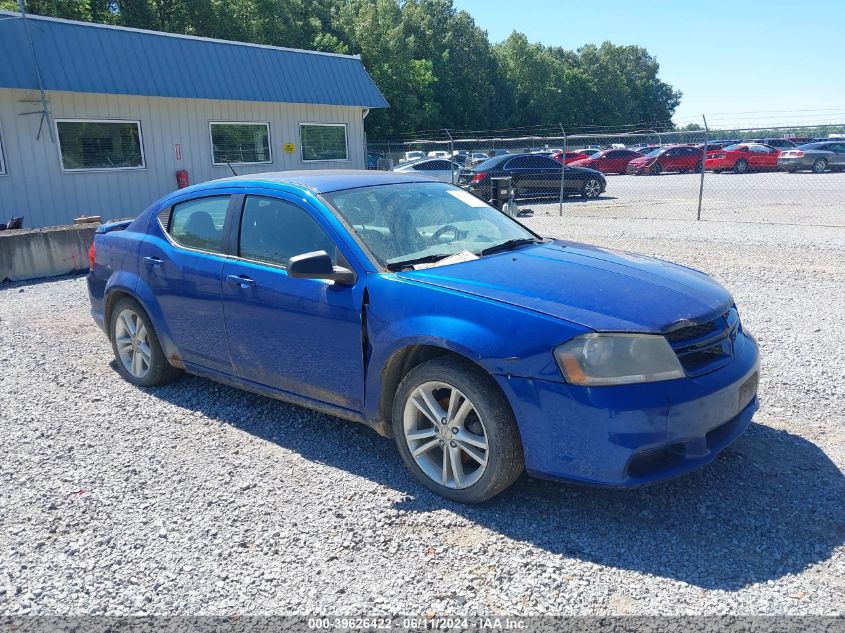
{"x": 196, "y": 498}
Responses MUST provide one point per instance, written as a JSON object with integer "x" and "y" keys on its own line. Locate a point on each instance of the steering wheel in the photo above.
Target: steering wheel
{"x": 443, "y": 230}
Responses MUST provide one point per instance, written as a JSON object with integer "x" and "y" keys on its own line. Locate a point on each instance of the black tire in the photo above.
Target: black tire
{"x": 655, "y": 169}
{"x": 159, "y": 370}
{"x": 698, "y": 167}
{"x": 505, "y": 461}
{"x": 717, "y": 171}
{"x": 591, "y": 189}
{"x": 741, "y": 166}
{"x": 819, "y": 165}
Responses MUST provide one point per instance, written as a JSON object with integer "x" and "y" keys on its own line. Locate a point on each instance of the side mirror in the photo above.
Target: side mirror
{"x": 318, "y": 265}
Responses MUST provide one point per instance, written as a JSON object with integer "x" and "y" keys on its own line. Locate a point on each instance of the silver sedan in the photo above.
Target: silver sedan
{"x": 816, "y": 157}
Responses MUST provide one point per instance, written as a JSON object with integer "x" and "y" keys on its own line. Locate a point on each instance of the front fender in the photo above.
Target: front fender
{"x": 501, "y": 338}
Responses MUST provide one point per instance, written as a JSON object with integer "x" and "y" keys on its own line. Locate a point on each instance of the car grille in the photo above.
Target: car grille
{"x": 706, "y": 346}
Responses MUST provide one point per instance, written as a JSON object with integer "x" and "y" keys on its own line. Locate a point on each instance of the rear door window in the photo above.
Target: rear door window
{"x": 199, "y": 223}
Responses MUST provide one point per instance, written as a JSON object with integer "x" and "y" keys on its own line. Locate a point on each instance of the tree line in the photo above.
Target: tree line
{"x": 434, "y": 65}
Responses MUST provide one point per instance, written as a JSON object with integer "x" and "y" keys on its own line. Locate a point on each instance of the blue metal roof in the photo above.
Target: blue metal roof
{"x": 87, "y": 57}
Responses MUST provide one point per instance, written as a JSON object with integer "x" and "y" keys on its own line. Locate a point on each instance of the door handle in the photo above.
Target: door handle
{"x": 241, "y": 280}
{"x": 154, "y": 262}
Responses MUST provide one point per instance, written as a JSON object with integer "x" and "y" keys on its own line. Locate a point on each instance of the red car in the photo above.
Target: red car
{"x": 570, "y": 157}
{"x": 742, "y": 157}
{"x": 609, "y": 161}
{"x": 682, "y": 158}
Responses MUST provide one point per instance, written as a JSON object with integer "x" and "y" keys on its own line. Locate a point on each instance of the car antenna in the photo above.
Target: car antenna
{"x": 232, "y": 168}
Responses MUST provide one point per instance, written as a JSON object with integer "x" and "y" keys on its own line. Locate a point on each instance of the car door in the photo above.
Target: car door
{"x": 836, "y": 155}
{"x": 182, "y": 261}
{"x": 440, "y": 169}
{"x": 521, "y": 177}
{"x": 544, "y": 173}
{"x": 303, "y": 336}
{"x": 763, "y": 156}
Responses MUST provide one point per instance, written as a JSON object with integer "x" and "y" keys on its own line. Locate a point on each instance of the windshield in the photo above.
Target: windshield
{"x": 412, "y": 221}
{"x": 654, "y": 152}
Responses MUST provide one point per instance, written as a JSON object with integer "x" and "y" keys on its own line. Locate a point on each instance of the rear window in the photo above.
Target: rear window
{"x": 490, "y": 163}
{"x": 198, "y": 223}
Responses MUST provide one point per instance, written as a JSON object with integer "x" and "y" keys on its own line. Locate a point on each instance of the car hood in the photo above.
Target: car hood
{"x": 640, "y": 160}
{"x": 597, "y": 288}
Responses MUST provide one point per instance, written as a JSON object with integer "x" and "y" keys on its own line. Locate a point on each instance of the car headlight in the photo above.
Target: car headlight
{"x": 597, "y": 360}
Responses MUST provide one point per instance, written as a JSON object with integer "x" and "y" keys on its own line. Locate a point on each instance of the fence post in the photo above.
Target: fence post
{"x": 562, "y": 170}
{"x": 451, "y": 153}
{"x": 703, "y": 159}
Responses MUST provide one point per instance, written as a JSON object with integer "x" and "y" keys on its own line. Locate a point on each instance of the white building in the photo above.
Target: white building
{"x": 98, "y": 120}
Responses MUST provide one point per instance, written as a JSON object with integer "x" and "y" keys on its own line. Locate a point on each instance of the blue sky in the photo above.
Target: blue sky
{"x": 744, "y": 62}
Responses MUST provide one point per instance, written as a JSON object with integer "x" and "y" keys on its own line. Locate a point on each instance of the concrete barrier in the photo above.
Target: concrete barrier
{"x": 33, "y": 253}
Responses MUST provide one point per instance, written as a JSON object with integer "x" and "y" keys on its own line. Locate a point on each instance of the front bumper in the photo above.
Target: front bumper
{"x": 634, "y": 435}
{"x": 637, "y": 169}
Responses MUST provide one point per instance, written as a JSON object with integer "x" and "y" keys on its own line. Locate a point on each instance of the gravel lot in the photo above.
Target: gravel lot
{"x": 198, "y": 498}
{"x": 776, "y": 197}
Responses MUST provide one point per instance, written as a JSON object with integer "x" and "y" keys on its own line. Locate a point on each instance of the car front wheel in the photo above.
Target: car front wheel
{"x": 591, "y": 188}
{"x": 741, "y": 166}
{"x": 455, "y": 431}
{"x": 819, "y": 166}
{"x": 138, "y": 353}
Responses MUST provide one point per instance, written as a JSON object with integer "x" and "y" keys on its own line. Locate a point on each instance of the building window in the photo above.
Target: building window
{"x": 240, "y": 143}
{"x": 89, "y": 145}
{"x": 323, "y": 141}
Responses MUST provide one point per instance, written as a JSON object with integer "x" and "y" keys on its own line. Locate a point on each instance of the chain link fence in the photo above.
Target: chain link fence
{"x": 752, "y": 175}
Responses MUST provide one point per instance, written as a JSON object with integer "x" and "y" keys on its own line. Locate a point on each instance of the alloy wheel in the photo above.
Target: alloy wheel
{"x": 133, "y": 343}
{"x": 819, "y": 166}
{"x": 445, "y": 435}
{"x": 592, "y": 188}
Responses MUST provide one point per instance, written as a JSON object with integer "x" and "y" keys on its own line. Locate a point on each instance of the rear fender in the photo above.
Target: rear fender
{"x": 135, "y": 287}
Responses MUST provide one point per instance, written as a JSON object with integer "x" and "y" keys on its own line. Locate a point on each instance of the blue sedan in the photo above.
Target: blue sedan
{"x": 413, "y": 307}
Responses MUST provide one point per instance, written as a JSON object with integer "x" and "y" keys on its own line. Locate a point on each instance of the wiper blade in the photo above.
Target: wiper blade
{"x": 506, "y": 246}
{"x": 408, "y": 263}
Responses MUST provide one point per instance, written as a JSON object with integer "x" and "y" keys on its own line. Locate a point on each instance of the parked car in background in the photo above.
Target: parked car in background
{"x": 680, "y": 158}
{"x": 412, "y": 155}
{"x": 569, "y": 157}
{"x": 742, "y": 157}
{"x": 526, "y": 354}
{"x": 439, "y": 153}
{"x": 644, "y": 148}
{"x": 816, "y": 157}
{"x": 609, "y": 161}
{"x": 777, "y": 143}
{"x": 713, "y": 146}
{"x": 437, "y": 168}
{"x": 476, "y": 157}
{"x": 532, "y": 176}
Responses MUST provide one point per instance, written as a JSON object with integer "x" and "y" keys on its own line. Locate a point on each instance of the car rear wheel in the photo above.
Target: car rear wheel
{"x": 741, "y": 166}
{"x": 140, "y": 359}
{"x": 717, "y": 171}
{"x": 655, "y": 169}
{"x": 819, "y": 166}
{"x": 699, "y": 166}
{"x": 591, "y": 188}
{"x": 455, "y": 431}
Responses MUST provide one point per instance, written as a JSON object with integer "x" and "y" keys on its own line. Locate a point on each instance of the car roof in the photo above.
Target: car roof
{"x": 318, "y": 180}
